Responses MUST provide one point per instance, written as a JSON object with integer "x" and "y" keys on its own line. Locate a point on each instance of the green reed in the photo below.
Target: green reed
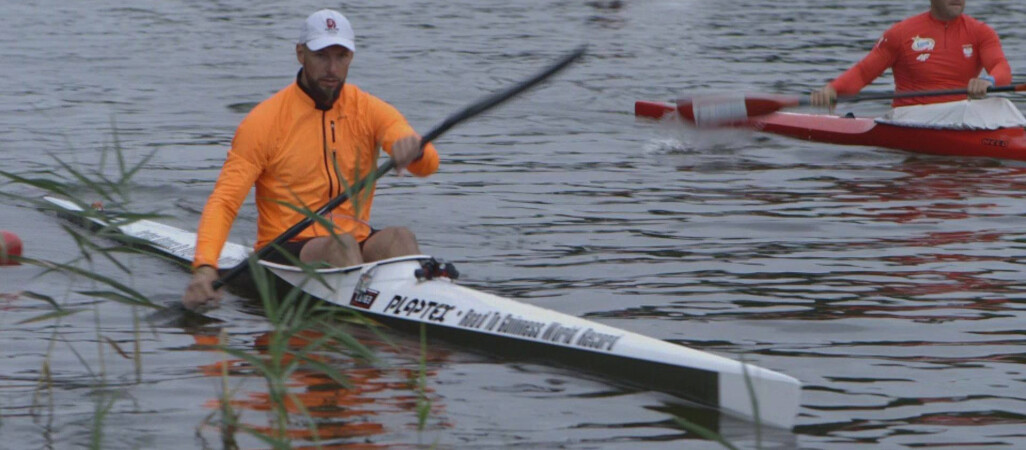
{"x": 294, "y": 317}
{"x": 81, "y": 267}
{"x": 711, "y": 435}
{"x": 291, "y": 315}
{"x": 228, "y": 423}
{"x": 423, "y": 402}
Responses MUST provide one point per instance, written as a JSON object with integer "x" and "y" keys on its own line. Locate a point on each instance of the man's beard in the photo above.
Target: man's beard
{"x": 325, "y": 96}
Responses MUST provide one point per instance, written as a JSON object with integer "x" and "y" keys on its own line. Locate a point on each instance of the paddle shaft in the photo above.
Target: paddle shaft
{"x": 719, "y": 110}
{"x": 466, "y": 113}
{"x": 294, "y": 230}
{"x": 912, "y": 94}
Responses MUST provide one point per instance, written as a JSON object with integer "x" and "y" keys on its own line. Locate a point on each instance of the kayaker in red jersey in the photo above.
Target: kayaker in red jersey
{"x": 936, "y": 50}
{"x": 303, "y": 146}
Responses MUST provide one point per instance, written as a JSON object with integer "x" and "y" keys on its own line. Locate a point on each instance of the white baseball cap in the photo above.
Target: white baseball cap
{"x": 325, "y": 28}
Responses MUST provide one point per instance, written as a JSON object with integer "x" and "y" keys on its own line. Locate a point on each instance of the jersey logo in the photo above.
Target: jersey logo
{"x": 967, "y": 50}
{"x": 921, "y": 44}
{"x": 923, "y": 57}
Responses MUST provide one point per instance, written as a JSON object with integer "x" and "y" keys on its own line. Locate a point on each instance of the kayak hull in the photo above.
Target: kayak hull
{"x": 1004, "y": 143}
{"x": 389, "y": 292}
{"x": 406, "y": 293}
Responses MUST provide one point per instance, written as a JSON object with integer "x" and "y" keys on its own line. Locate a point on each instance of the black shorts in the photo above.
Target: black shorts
{"x": 293, "y": 248}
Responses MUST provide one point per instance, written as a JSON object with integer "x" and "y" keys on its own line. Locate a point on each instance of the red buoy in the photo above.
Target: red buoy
{"x": 11, "y": 246}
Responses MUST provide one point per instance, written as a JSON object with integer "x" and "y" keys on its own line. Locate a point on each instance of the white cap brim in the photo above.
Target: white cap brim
{"x": 328, "y": 41}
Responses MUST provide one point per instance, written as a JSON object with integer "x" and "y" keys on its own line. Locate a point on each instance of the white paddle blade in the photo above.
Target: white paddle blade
{"x": 714, "y": 111}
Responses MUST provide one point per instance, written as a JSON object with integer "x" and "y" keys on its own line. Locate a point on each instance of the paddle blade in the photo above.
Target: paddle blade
{"x": 652, "y": 110}
{"x": 722, "y": 110}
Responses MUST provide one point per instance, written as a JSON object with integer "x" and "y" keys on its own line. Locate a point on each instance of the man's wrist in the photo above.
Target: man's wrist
{"x": 202, "y": 266}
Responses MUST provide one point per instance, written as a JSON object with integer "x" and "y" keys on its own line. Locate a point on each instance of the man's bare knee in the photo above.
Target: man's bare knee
{"x": 390, "y": 243}
{"x": 339, "y": 251}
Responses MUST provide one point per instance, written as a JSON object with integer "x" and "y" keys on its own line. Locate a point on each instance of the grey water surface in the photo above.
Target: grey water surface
{"x": 890, "y": 284}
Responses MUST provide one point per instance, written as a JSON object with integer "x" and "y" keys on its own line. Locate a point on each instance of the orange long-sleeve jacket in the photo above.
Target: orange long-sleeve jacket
{"x": 298, "y": 154}
{"x": 928, "y": 54}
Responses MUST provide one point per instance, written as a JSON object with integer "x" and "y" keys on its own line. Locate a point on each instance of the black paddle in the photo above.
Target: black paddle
{"x": 714, "y": 110}
{"x": 470, "y": 111}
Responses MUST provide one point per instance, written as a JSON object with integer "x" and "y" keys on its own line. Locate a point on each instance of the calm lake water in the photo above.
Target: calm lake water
{"x": 890, "y": 284}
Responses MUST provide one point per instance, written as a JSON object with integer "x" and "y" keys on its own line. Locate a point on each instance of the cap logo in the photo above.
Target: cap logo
{"x": 331, "y": 24}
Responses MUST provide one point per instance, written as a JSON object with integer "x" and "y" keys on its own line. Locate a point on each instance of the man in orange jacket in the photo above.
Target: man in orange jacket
{"x": 936, "y": 50}
{"x": 303, "y": 146}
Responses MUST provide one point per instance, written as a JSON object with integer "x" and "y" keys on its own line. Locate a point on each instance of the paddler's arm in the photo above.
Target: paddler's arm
{"x": 824, "y": 97}
{"x": 882, "y": 56}
{"x": 406, "y": 150}
{"x": 993, "y": 59}
{"x": 395, "y": 135}
{"x": 237, "y": 177}
{"x": 200, "y": 293}
{"x": 977, "y": 87}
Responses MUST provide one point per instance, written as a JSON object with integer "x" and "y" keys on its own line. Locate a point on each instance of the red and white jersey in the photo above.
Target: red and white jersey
{"x": 928, "y": 54}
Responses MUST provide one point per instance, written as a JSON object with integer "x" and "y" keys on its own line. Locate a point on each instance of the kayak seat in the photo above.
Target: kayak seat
{"x": 990, "y": 113}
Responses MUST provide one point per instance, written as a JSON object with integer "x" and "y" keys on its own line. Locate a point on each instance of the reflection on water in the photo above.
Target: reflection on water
{"x": 319, "y": 408}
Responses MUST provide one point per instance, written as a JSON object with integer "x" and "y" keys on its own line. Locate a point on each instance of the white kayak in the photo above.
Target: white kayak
{"x": 413, "y": 290}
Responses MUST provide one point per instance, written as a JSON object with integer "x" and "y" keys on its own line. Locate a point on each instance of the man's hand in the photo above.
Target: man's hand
{"x": 978, "y": 87}
{"x": 825, "y": 97}
{"x": 405, "y": 150}
{"x": 200, "y": 294}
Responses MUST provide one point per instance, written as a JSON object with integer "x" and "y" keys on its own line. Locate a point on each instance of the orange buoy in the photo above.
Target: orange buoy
{"x": 11, "y": 246}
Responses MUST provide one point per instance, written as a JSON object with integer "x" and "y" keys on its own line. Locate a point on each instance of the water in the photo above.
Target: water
{"x": 889, "y": 284}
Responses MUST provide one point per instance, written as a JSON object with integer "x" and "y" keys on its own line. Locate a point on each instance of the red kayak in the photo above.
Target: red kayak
{"x": 1008, "y": 143}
